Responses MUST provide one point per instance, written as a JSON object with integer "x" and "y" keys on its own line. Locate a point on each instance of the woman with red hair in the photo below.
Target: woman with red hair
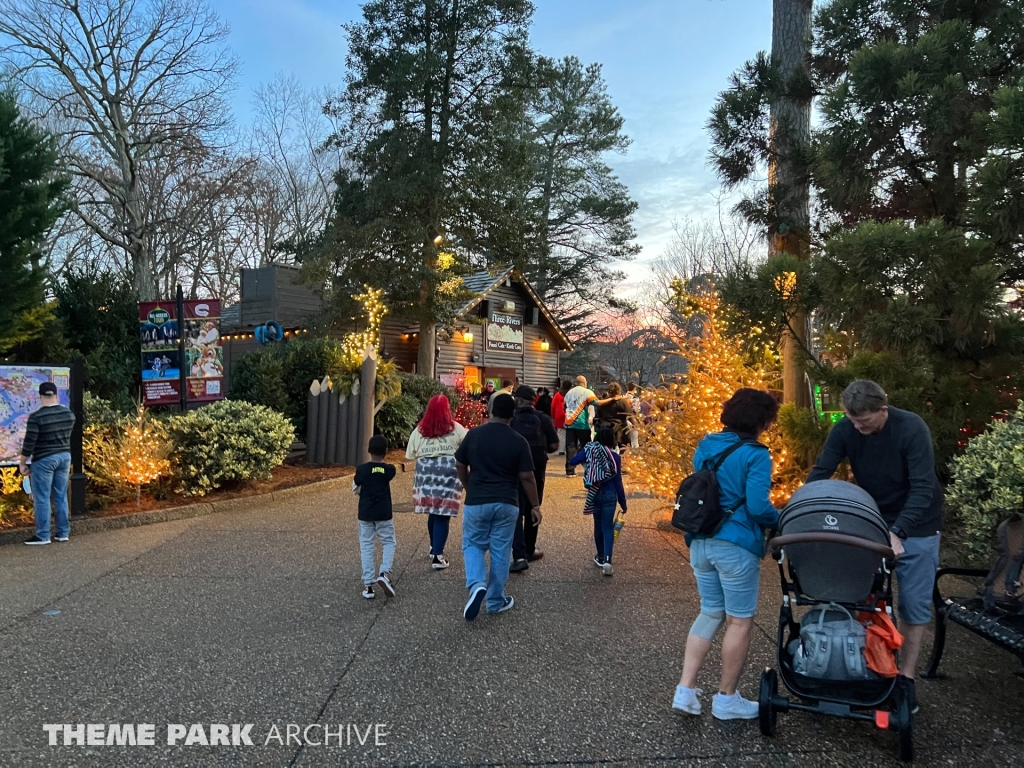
{"x": 436, "y": 490}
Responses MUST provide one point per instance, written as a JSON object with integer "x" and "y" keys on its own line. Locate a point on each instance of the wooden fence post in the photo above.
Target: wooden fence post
{"x": 331, "y": 455}
{"x": 367, "y": 393}
{"x": 321, "y": 422}
{"x": 312, "y": 417}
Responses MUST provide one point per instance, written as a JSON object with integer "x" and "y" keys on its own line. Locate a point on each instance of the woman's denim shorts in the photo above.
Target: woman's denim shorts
{"x": 728, "y": 577}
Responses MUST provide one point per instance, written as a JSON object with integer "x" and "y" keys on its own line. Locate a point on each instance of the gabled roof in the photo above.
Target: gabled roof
{"x": 485, "y": 281}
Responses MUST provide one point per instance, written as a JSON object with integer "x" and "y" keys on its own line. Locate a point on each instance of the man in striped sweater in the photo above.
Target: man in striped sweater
{"x": 48, "y": 444}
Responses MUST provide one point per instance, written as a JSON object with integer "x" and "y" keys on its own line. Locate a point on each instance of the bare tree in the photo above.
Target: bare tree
{"x": 130, "y": 82}
{"x": 709, "y": 247}
{"x": 634, "y": 350}
{"x": 297, "y": 167}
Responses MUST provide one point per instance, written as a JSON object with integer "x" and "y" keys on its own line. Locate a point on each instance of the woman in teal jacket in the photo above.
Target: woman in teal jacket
{"x": 727, "y": 565}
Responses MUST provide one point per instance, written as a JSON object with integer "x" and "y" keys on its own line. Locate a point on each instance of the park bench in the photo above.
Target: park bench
{"x": 981, "y": 614}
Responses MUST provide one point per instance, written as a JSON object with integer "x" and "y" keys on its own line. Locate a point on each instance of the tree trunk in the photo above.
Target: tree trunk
{"x": 790, "y": 126}
{"x": 428, "y": 338}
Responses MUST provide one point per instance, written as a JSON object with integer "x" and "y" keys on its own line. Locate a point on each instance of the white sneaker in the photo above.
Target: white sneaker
{"x": 686, "y": 700}
{"x": 733, "y": 707}
{"x": 607, "y": 568}
{"x": 439, "y": 562}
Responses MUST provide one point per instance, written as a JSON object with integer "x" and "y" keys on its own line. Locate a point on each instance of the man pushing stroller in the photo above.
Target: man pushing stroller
{"x": 890, "y": 453}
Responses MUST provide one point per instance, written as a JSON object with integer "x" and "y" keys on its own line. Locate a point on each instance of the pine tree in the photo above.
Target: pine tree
{"x": 30, "y": 202}
{"x": 916, "y": 164}
{"x": 431, "y": 115}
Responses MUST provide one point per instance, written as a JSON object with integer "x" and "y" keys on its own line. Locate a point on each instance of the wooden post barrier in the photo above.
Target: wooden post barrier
{"x": 367, "y": 393}
{"x": 312, "y": 416}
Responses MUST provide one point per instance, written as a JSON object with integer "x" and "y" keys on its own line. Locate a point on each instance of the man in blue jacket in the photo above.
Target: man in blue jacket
{"x": 890, "y": 453}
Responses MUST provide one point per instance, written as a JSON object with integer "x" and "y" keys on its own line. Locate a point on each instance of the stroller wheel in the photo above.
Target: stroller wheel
{"x": 766, "y": 713}
{"x": 905, "y": 730}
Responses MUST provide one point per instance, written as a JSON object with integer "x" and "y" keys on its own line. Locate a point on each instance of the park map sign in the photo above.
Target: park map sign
{"x": 161, "y": 355}
{"x": 19, "y": 397}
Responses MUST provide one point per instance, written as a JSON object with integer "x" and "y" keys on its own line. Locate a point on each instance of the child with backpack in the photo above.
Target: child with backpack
{"x": 726, "y": 559}
{"x": 372, "y": 484}
{"x": 603, "y": 481}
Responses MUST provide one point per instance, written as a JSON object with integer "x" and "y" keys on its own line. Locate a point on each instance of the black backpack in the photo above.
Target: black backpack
{"x": 527, "y": 423}
{"x": 1004, "y": 586}
{"x": 698, "y": 510}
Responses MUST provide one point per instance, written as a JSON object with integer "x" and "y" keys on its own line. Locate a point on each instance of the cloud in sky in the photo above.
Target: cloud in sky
{"x": 664, "y": 61}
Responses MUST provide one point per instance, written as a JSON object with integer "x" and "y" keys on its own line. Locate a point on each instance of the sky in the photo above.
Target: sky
{"x": 664, "y": 62}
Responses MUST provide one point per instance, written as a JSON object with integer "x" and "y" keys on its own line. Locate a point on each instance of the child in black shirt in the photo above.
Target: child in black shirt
{"x": 373, "y": 485}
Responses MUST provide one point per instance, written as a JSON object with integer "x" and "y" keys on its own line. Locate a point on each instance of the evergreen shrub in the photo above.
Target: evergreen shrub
{"x": 988, "y": 484}
{"x": 259, "y": 378}
{"x": 228, "y": 441}
{"x": 397, "y": 418}
{"x": 423, "y": 388}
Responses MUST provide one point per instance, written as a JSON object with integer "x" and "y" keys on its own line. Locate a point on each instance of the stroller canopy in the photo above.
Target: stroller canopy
{"x": 831, "y": 570}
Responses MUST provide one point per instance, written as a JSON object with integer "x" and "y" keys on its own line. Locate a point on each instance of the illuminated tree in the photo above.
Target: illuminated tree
{"x": 142, "y": 452}
{"x": 356, "y": 343}
{"x": 720, "y": 362}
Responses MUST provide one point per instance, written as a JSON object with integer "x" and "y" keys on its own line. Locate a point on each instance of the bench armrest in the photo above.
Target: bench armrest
{"x": 937, "y": 597}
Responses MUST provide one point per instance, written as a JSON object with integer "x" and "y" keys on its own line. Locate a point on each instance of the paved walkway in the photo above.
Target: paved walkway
{"x": 256, "y": 617}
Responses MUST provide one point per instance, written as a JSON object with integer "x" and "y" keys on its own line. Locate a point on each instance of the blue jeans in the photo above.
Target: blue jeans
{"x": 728, "y": 577}
{"x": 437, "y": 529}
{"x": 604, "y": 525}
{"x": 488, "y": 527}
{"x": 380, "y": 529}
{"x": 50, "y": 478}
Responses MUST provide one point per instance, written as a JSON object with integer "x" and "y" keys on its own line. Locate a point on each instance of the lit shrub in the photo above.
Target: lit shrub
{"x": 228, "y": 441}
{"x": 122, "y": 454}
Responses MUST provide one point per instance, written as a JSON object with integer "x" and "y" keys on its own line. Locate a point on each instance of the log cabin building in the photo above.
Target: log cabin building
{"x": 504, "y": 332}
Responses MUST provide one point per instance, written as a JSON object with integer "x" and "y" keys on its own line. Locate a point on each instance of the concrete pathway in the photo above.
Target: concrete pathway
{"x": 255, "y": 617}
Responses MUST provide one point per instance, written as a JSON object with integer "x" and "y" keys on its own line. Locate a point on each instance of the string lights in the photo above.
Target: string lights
{"x": 142, "y": 453}
{"x": 684, "y": 412}
{"x": 374, "y": 309}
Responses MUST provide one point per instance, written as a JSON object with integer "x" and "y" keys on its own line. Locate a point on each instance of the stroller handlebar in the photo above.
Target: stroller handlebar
{"x": 779, "y": 542}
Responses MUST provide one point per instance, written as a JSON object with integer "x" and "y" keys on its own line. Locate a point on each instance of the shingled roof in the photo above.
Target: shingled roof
{"x": 485, "y": 281}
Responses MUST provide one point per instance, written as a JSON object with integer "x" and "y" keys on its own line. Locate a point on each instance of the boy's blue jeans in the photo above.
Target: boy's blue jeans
{"x": 488, "y": 527}
{"x": 383, "y": 530}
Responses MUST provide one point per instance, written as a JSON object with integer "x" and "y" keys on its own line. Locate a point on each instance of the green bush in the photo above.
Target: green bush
{"x": 423, "y": 388}
{"x": 259, "y": 378}
{"x": 988, "y": 484}
{"x": 231, "y": 440}
{"x": 100, "y": 414}
{"x": 305, "y": 360}
{"x": 397, "y": 418}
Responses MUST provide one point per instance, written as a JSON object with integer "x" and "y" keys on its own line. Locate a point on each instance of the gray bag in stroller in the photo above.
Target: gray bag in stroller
{"x": 831, "y": 645}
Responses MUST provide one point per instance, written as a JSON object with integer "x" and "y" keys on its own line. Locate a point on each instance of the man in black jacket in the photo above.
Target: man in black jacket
{"x": 890, "y": 453}
{"x": 539, "y": 431}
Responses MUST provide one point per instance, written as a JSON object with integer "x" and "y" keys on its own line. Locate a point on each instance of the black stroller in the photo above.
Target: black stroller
{"x": 836, "y": 545}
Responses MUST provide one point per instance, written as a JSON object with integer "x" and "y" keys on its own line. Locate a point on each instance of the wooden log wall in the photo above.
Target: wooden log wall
{"x": 339, "y": 427}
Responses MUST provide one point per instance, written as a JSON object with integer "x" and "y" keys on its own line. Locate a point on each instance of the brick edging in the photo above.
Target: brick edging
{"x": 198, "y": 509}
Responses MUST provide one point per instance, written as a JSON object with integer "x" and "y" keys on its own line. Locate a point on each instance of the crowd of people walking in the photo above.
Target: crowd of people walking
{"x": 501, "y": 466}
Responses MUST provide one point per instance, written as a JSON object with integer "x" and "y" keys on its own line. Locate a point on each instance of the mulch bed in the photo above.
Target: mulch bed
{"x": 288, "y": 475}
